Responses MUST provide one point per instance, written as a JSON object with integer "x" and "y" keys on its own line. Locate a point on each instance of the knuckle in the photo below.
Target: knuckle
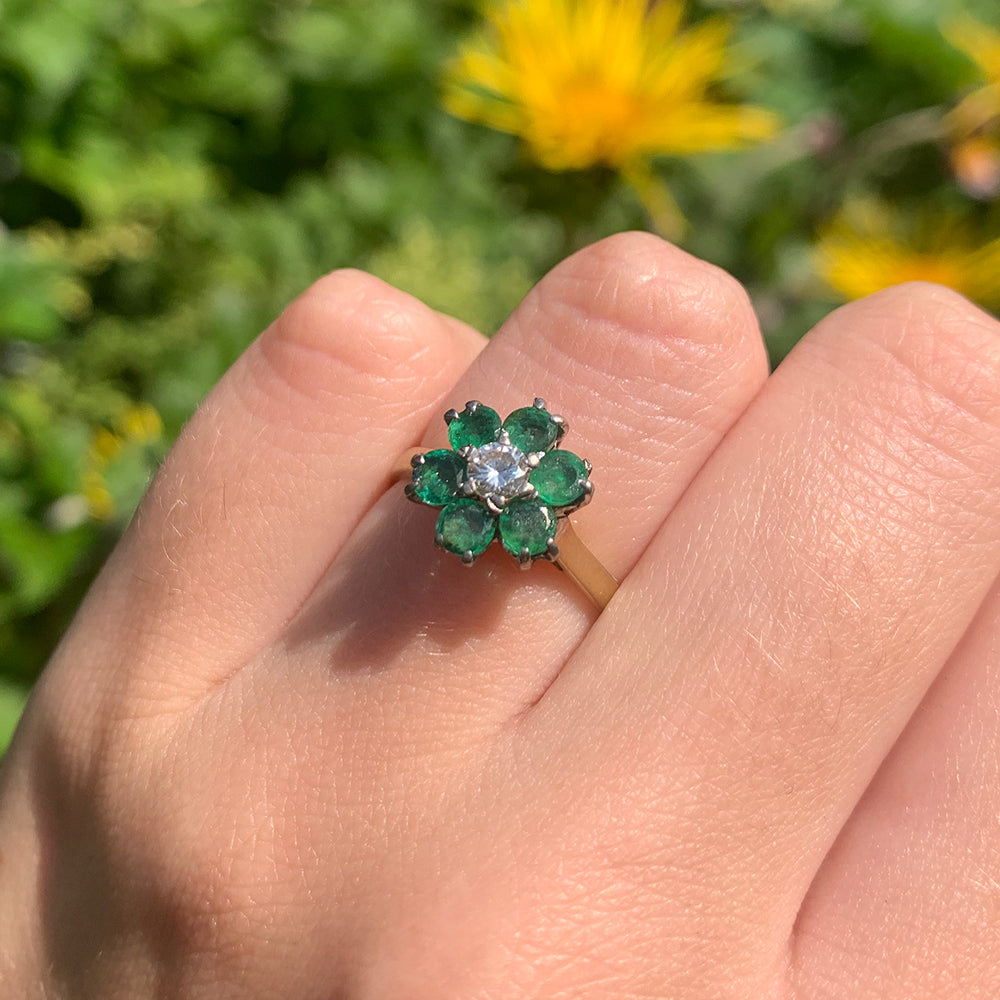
{"x": 653, "y": 301}
{"x": 947, "y": 352}
{"x": 351, "y": 332}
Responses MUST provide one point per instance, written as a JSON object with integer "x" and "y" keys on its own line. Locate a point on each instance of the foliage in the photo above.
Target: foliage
{"x": 171, "y": 173}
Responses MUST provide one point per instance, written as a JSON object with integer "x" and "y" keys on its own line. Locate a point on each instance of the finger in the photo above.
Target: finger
{"x": 268, "y": 480}
{"x": 917, "y": 868}
{"x": 650, "y": 355}
{"x": 781, "y": 628}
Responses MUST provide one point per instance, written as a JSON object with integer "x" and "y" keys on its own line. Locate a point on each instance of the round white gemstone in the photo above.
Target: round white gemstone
{"x": 497, "y": 470}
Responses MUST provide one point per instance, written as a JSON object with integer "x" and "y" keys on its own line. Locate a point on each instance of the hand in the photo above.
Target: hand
{"x": 289, "y": 748}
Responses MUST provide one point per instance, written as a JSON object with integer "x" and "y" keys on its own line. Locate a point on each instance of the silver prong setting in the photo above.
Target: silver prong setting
{"x": 539, "y": 403}
{"x": 535, "y": 457}
{"x": 472, "y": 405}
{"x": 451, "y": 416}
{"x": 418, "y": 460}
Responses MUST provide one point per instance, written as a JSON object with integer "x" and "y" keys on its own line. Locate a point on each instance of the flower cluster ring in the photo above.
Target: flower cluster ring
{"x": 504, "y": 478}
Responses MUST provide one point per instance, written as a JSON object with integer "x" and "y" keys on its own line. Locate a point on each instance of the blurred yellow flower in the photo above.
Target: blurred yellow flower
{"x": 981, "y": 44}
{"x": 100, "y": 503}
{"x": 139, "y": 424}
{"x": 870, "y": 246}
{"x": 612, "y": 82}
{"x": 974, "y": 122}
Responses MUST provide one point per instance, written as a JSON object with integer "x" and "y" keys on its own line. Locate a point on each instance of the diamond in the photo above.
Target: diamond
{"x": 497, "y": 470}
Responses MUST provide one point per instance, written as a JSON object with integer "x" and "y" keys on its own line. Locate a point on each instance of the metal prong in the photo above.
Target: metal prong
{"x": 467, "y": 489}
{"x": 503, "y": 437}
{"x": 418, "y": 460}
{"x": 439, "y": 540}
{"x": 534, "y": 458}
{"x": 451, "y": 415}
{"x": 539, "y": 402}
{"x": 552, "y": 551}
{"x": 588, "y": 494}
{"x": 466, "y": 450}
{"x": 472, "y": 405}
{"x": 529, "y": 492}
{"x": 408, "y": 492}
{"x": 524, "y": 559}
{"x": 556, "y": 419}
{"x": 496, "y": 504}
{"x": 588, "y": 466}
{"x": 468, "y": 558}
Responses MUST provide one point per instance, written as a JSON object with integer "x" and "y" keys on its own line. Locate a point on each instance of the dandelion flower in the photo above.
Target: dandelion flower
{"x": 973, "y": 123}
{"x": 602, "y": 82}
{"x": 982, "y": 45}
{"x": 869, "y": 246}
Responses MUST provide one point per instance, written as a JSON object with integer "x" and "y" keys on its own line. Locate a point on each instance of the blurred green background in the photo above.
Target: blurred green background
{"x": 172, "y": 172}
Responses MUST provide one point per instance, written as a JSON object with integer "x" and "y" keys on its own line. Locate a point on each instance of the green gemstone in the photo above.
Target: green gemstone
{"x": 532, "y": 429}
{"x": 437, "y": 478}
{"x": 559, "y": 478}
{"x": 476, "y": 427}
{"x": 527, "y": 525}
{"x": 465, "y": 526}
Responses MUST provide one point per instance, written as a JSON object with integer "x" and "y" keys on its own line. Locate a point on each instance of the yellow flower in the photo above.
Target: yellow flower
{"x": 975, "y": 153}
{"x": 869, "y": 246}
{"x": 140, "y": 423}
{"x": 100, "y": 503}
{"x": 982, "y": 45}
{"x": 610, "y": 82}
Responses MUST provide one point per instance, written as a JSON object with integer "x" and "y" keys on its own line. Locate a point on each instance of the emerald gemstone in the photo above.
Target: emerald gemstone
{"x": 532, "y": 429}
{"x": 559, "y": 478}
{"x": 465, "y": 526}
{"x": 437, "y": 479}
{"x": 527, "y": 525}
{"x": 476, "y": 427}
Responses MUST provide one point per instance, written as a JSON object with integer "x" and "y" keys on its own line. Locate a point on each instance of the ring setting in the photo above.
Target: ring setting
{"x": 507, "y": 480}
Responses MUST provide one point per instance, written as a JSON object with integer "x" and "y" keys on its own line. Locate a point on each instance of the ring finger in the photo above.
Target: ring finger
{"x": 650, "y": 355}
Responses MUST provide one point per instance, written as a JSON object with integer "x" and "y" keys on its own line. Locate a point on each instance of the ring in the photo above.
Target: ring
{"x": 508, "y": 480}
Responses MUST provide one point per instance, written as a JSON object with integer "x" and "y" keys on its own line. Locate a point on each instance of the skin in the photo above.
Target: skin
{"x": 288, "y": 748}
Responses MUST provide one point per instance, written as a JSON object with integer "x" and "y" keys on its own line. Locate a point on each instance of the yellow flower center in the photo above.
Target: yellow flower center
{"x": 927, "y": 268}
{"x": 592, "y": 123}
